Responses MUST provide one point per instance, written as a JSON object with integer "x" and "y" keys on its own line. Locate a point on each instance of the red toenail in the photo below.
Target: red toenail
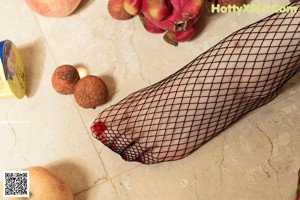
{"x": 98, "y": 128}
{"x": 125, "y": 157}
{"x": 142, "y": 160}
{"x": 102, "y": 138}
{"x": 114, "y": 147}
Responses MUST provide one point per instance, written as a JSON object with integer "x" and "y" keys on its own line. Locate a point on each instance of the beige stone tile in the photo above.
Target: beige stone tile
{"x": 245, "y": 171}
{"x": 279, "y": 124}
{"x": 194, "y": 177}
{"x": 17, "y": 23}
{"x": 291, "y": 88}
{"x": 93, "y": 39}
{"x": 254, "y": 159}
{"x": 43, "y": 128}
{"x": 47, "y": 128}
{"x": 113, "y": 162}
{"x": 102, "y": 191}
{"x": 234, "y": 165}
{"x": 7, "y": 144}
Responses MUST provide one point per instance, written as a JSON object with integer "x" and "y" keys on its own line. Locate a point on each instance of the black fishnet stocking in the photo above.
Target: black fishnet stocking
{"x": 172, "y": 118}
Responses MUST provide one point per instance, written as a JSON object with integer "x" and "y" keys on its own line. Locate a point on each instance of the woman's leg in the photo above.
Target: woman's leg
{"x": 172, "y": 118}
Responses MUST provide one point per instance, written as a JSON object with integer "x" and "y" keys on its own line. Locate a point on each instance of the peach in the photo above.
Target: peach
{"x": 53, "y": 8}
{"x": 43, "y": 185}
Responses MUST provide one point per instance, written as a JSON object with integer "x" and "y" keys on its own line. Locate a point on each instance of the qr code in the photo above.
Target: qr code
{"x": 16, "y": 184}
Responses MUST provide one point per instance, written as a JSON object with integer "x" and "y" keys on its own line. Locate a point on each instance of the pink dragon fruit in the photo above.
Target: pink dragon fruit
{"x": 132, "y": 6}
{"x": 175, "y": 17}
{"x": 159, "y": 9}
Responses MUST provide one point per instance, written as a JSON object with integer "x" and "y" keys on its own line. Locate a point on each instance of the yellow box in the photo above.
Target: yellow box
{"x": 12, "y": 72}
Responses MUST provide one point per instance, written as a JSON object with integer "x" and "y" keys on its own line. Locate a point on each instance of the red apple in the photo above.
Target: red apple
{"x": 44, "y": 185}
{"x": 53, "y": 8}
{"x": 117, "y": 11}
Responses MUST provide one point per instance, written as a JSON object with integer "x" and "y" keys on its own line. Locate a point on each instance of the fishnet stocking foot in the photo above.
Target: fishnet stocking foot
{"x": 172, "y": 118}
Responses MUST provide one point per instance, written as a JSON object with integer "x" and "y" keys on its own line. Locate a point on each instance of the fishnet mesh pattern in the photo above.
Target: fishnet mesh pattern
{"x": 172, "y": 118}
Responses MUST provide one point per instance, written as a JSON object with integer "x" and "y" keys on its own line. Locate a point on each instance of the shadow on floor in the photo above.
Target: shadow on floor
{"x": 33, "y": 56}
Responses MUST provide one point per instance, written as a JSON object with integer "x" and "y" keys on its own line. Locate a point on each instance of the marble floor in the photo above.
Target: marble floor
{"x": 256, "y": 158}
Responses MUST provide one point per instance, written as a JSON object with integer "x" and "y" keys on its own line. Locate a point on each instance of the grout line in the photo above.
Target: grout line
{"x": 43, "y": 36}
{"x": 121, "y": 173}
{"x": 78, "y": 111}
{"x": 88, "y": 131}
{"x": 47, "y": 44}
{"x": 95, "y": 184}
{"x": 107, "y": 178}
{"x": 119, "y": 197}
{"x": 74, "y": 103}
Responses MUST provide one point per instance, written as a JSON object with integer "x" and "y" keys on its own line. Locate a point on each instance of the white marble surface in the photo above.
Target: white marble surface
{"x": 255, "y": 158}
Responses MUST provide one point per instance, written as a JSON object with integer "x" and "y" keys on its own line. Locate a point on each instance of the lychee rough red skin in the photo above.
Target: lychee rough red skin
{"x": 90, "y": 92}
{"x": 64, "y": 79}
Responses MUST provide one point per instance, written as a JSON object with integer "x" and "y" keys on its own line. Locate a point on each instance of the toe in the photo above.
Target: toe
{"x": 150, "y": 157}
{"x": 109, "y": 124}
{"x": 133, "y": 152}
{"x": 109, "y": 137}
{"x": 98, "y": 128}
{"x": 113, "y": 133}
{"x": 119, "y": 144}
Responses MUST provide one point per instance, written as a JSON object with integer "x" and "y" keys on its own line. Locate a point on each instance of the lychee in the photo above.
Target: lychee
{"x": 90, "y": 92}
{"x": 64, "y": 79}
